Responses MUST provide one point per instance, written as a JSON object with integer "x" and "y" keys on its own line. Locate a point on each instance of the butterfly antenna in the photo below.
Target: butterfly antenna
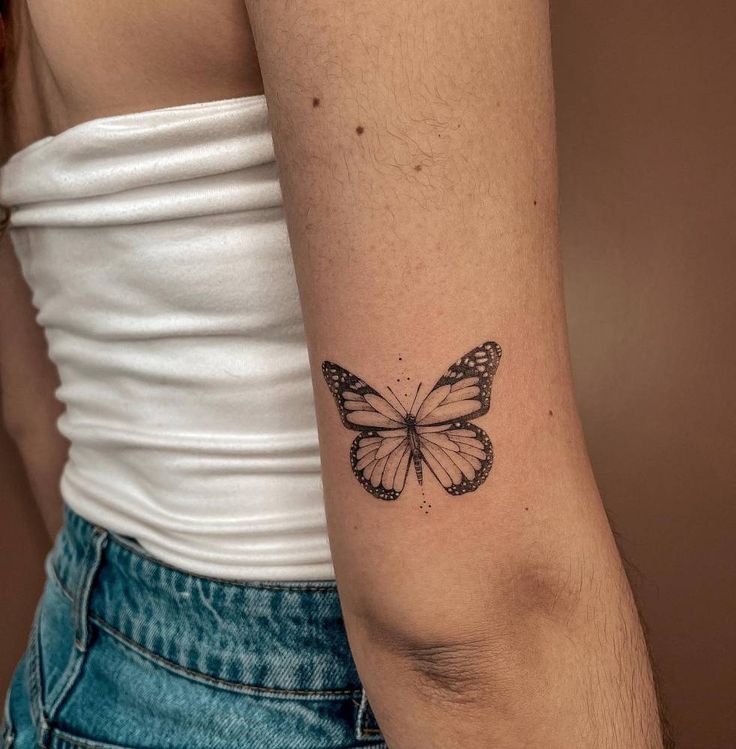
{"x": 401, "y": 405}
{"x": 411, "y": 408}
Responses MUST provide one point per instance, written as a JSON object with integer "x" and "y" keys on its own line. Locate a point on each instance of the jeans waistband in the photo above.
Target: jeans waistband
{"x": 276, "y": 637}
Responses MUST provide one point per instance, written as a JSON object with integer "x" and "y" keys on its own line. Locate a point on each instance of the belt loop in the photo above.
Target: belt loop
{"x": 366, "y": 725}
{"x": 8, "y": 735}
{"x": 90, "y": 566}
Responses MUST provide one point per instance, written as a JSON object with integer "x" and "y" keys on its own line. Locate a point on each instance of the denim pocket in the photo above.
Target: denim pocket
{"x": 123, "y": 697}
{"x": 44, "y": 675}
{"x": 52, "y": 662}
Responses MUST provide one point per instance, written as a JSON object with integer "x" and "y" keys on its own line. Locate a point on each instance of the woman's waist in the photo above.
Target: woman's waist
{"x": 251, "y": 516}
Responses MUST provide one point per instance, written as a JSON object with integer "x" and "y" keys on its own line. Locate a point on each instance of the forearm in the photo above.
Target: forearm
{"x": 28, "y": 380}
{"x": 43, "y": 453}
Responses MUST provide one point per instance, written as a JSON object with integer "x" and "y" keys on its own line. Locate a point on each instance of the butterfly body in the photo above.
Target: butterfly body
{"x": 415, "y": 446}
{"x": 434, "y": 431}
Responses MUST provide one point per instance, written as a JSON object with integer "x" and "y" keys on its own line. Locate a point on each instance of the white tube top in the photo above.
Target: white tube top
{"x": 156, "y": 249}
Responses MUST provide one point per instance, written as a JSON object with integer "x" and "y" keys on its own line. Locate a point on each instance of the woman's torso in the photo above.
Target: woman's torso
{"x": 149, "y": 227}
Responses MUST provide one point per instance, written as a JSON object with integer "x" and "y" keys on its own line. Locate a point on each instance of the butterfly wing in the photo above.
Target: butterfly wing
{"x": 460, "y": 455}
{"x": 464, "y": 390}
{"x": 379, "y": 455}
{"x": 361, "y": 407}
{"x": 380, "y": 461}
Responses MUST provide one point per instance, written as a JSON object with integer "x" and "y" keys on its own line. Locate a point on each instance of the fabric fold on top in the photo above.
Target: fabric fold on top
{"x": 156, "y": 250}
{"x": 157, "y": 164}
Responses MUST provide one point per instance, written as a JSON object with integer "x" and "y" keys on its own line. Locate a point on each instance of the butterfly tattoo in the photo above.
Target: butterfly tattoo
{"x": 434, "y": 431}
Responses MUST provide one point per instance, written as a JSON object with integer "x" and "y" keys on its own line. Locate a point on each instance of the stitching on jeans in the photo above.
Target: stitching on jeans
{"x": 211, "y": 680}
{"x": 197, "y": 676}
{"x": 55, "y": 698}
{"x": 365, "y": 713}
{"x": 8, "y": 734}
{"x": 35, "y": 681}
{"x": 72, "y": 671}
{"x": 67, "y": 738}
{"x": 92, "y": 561}
{"x": 59, "y": 693}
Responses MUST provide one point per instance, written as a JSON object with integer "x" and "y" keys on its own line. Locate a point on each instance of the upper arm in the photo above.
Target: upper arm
{"x": 416, "y": 152}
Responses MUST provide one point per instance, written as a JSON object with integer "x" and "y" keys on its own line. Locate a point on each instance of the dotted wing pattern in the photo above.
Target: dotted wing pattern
{"x": 464, "y": 390}
{"x": 361, "y": 408}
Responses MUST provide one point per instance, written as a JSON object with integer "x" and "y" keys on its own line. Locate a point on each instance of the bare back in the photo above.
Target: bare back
{"x": 79, "y": 60}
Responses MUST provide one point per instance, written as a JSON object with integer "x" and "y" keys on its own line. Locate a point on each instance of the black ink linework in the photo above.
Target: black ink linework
{"x": 434, "y": 430}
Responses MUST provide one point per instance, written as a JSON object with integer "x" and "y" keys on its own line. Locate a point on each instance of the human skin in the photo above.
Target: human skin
{"x": 417, "y": 155}
{"x": 416, "y": 149}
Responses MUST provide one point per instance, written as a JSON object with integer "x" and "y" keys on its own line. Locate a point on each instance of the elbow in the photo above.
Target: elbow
{"x": 463, "y": 671}
{"x": 483, "y": 647}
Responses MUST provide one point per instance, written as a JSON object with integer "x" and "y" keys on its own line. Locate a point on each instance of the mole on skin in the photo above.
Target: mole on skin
{"x": 360, "y": 129}
{"x": 315, "y": 102}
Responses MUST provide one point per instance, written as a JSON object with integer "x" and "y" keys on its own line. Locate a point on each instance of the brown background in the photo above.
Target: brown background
{"x": 647, "y": 142}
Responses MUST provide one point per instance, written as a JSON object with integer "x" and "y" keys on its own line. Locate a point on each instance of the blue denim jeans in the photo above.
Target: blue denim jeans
{"x": 128, "y": 652}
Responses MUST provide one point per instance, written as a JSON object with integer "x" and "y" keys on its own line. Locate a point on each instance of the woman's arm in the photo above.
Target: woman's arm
{"x": 28, "y": 380}
{"x": 416, "y": 148}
